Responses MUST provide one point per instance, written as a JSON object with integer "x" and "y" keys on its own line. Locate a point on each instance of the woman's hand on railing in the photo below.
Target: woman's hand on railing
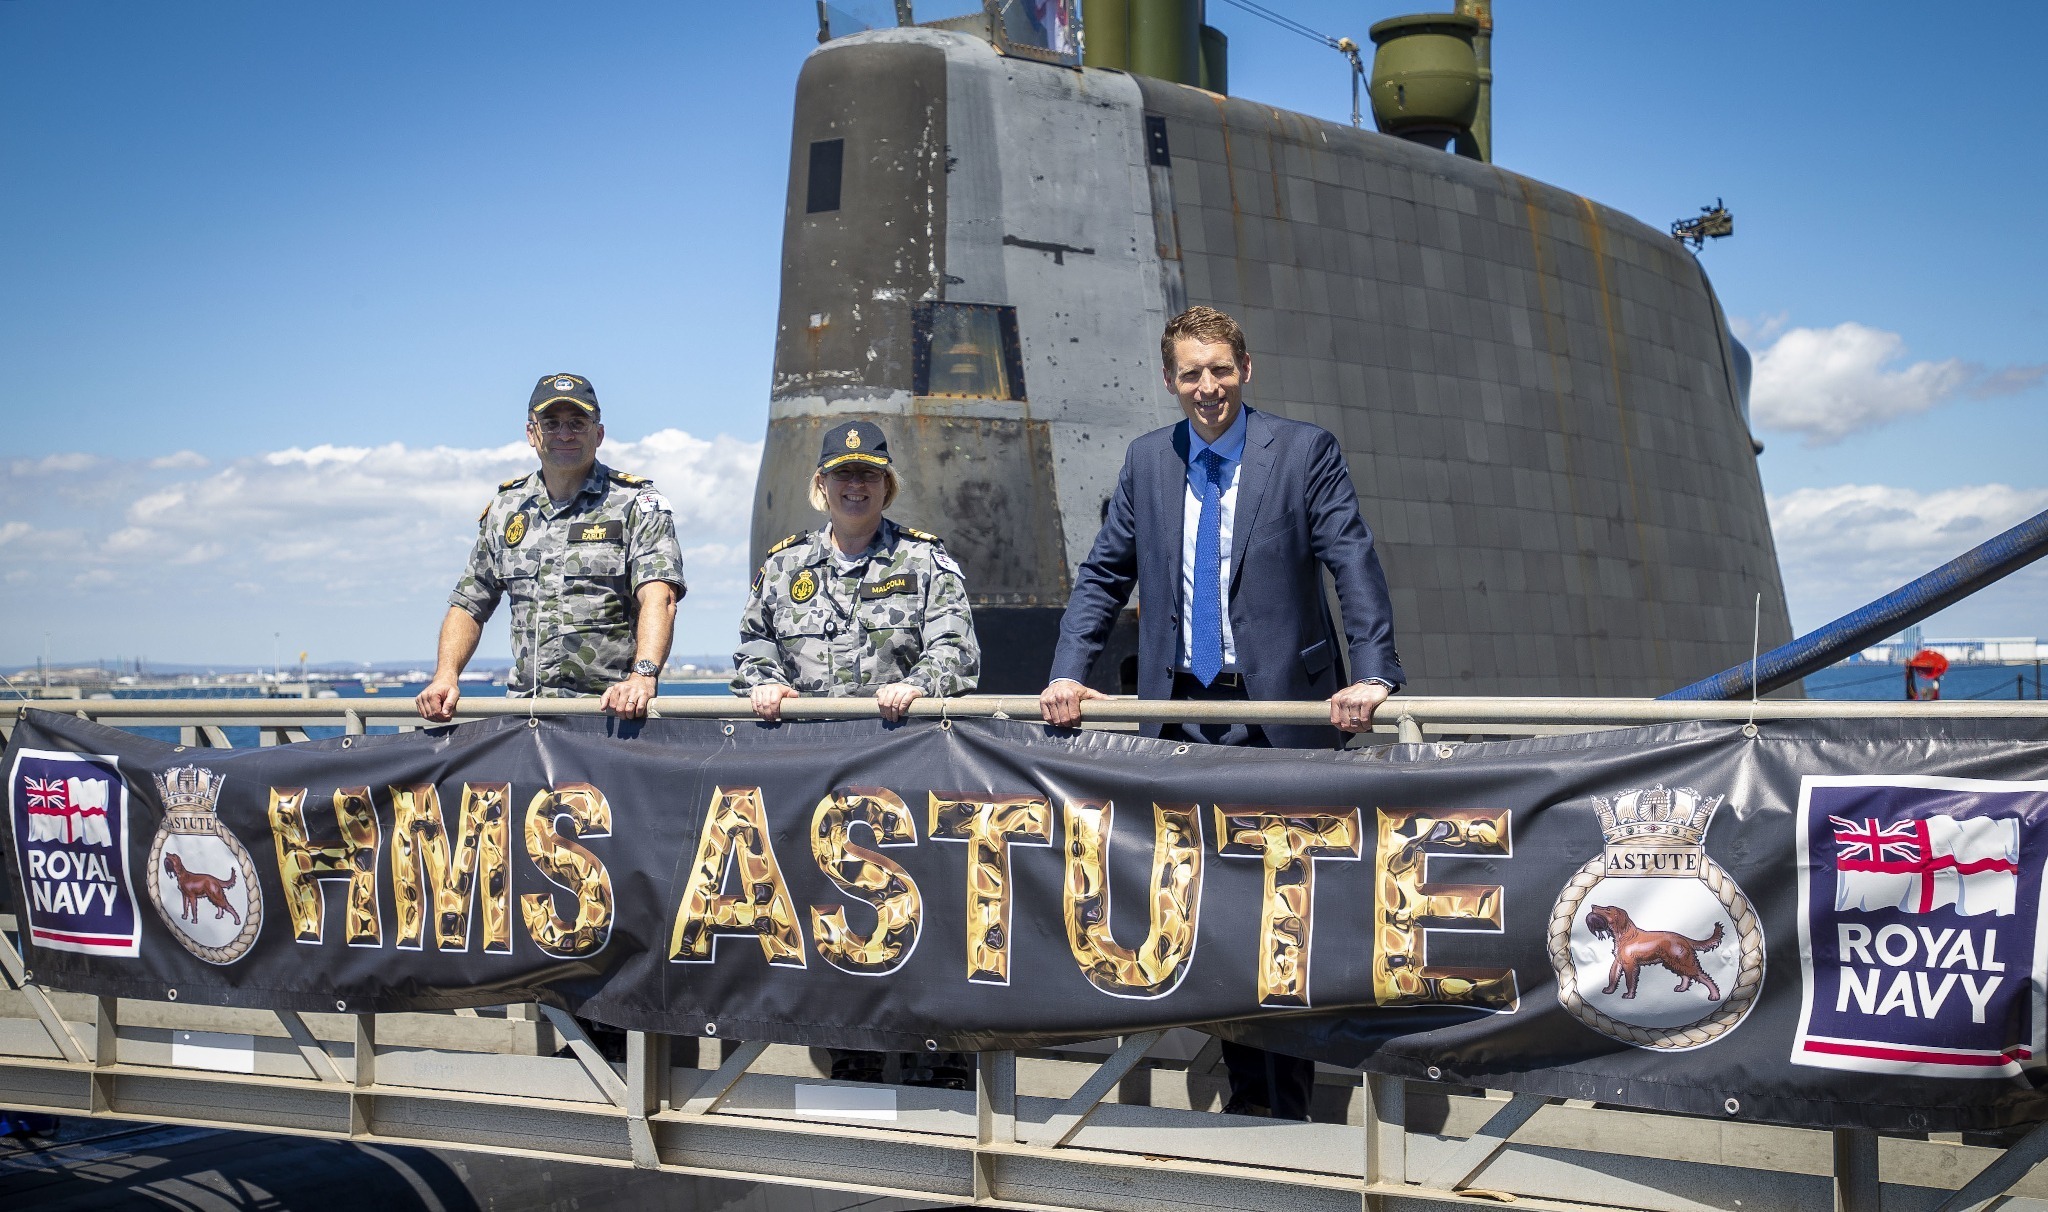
{"x": 896, "y": 698}
{"x": 767, "y": 699}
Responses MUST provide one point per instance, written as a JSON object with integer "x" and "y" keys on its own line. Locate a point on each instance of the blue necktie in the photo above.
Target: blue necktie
{"x": 1205, "y": 656}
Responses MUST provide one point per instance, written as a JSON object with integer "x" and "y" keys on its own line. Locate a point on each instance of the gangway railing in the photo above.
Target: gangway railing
{"x": 1115, "y": 1125}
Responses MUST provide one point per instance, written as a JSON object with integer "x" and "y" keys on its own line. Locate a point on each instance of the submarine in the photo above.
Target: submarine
{"x": 1542, "y": 406}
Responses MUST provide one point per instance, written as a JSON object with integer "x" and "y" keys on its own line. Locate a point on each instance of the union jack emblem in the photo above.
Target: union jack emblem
{"x": 46, "y": 793}
{"x": 1873, "y": 842}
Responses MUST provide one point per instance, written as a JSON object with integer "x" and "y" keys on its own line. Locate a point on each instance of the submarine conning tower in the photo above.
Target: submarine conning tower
{"x": 1538, "y": 395}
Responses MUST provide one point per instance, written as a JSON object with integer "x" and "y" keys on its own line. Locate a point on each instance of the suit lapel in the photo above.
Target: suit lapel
{"x": 1254, "y": 473}
{"x": 1172, "y": 485}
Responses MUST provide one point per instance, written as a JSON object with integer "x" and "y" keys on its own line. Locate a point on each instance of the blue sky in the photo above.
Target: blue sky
{"x": 274, "y": 279}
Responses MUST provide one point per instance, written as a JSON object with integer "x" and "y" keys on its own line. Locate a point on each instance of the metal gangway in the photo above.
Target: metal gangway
{"x": 1111, "y": 1126}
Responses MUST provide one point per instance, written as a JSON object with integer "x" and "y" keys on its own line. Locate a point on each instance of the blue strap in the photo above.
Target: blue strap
{"x": 1205, "y": 659}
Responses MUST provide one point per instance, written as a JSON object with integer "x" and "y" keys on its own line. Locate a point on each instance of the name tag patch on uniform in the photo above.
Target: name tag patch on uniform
{"x": 613, "y": 531}
{"x": 902, "y": 582}
{"x": 515, "y": 528}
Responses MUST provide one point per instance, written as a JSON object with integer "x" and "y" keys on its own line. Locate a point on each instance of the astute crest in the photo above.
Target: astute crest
{"x": 201, "y": 878}
{"x": 1652, "y": 942}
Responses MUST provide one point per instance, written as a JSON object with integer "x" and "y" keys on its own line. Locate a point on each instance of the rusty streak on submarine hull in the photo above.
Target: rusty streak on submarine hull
{"x": 1540, "y": 400}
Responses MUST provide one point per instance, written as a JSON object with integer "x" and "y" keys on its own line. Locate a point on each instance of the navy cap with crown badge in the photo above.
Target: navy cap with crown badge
{"x": 854, "y": 442}
{"x": 558, "y": 388}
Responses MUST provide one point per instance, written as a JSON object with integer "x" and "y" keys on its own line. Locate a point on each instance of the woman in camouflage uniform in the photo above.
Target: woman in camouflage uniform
{"x": 860, "y": 606}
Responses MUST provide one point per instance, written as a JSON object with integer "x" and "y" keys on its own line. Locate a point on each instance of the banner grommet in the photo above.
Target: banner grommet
{"x": 340, "y": 1007}
{"x": 170, "y": 995}
{"x": 1732, "y": 1106}
{"x": 931, "y": 1045}
{"x": 711, "y": 1030}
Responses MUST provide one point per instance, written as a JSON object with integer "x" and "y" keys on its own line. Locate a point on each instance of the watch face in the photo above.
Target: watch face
{"x": 646, "y": 669}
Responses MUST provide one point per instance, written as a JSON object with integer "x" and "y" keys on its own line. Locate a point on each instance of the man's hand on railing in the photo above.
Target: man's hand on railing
{"x": 1351, "y": 708}
{"x": 1060, "y": 703}
{"x": 630, "y": 697}
{"x": 439, "y": 700}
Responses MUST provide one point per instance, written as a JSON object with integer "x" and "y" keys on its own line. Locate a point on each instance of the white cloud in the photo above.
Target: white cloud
{"x": 354, "y": 548}
{"x": 1847, "y": 545}
{"x": 2009, "y": 381}
{"x": 1756, "y": 330}
{"x": 56, "y": 464}
{"x": 1827, "y": 383}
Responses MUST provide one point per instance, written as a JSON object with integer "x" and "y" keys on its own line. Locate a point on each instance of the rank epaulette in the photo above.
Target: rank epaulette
{"x": 790, "y": 541}
{"x": 512, "y": 483}
{"x": 922, "y": 536}
{"x": 628, "y": 479}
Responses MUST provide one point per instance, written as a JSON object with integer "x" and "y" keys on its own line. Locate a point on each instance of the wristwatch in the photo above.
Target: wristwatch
{"x": 646, "y": 668}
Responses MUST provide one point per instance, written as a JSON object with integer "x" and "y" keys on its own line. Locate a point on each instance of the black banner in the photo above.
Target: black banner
{"x": 1825, "y": 923}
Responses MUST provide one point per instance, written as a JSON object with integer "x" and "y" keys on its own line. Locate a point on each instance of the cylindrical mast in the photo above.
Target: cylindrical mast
{"x": 1482, "y": 50}
{"x": 1166, "y": 40}
{"x": 1106, "y": 33}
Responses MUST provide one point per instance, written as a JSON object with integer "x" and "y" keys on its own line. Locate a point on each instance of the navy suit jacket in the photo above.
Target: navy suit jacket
{"x": 1296, "y": 513}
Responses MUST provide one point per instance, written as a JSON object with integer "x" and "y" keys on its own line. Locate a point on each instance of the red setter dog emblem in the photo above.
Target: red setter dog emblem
{"x": 1634, "y": 947}
{"x": 196, "y": 886}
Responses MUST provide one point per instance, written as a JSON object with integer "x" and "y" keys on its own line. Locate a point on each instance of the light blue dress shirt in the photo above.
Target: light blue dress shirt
{"x": 1230, "y": 448}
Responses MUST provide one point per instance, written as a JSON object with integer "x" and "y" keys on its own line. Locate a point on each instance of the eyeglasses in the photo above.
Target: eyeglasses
{"x": 856, "y": 475}
{"x": 569, "y": 425}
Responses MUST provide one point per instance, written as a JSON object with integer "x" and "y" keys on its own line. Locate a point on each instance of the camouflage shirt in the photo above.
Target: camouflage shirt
{"x": 572, "y": 572}
{"x": 899, "y": 614}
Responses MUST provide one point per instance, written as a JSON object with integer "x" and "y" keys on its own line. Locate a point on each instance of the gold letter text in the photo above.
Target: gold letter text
{"x": 1404, "y": 900}
{"x": 872, "y": 877}
{"x": 570, "y": 867}
{"x": 420, "y": 856}
{"x": 1154, "y": 968}
{"x": 989, "y": 824}
{"x": 736, "y": 834}
{"x": 1290, "y": 841}
{"x": 304, "y": 867}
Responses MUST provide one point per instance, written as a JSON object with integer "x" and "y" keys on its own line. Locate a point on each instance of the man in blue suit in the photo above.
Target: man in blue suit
{"x": 1223, "y": 524}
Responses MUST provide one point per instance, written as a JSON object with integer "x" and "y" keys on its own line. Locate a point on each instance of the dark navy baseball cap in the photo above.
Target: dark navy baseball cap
{"x": 556, "y": 389}
{"x": 854, "y": 442}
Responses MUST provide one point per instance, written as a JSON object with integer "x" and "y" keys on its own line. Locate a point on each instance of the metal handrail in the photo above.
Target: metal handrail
{"x": 1422, "y": 709}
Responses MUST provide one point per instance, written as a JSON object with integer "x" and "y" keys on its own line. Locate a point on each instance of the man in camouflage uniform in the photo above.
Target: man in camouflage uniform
{"x": 589, "y": 558}
{"x": 892, "y": 615}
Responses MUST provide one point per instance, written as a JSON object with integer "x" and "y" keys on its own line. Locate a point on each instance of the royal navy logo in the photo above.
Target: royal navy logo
{"x": 201, "y": 877}
{"x": 804, "y": 588}
{"x": 70, "y": 818}
{"x": 1652, "y": 942}
{"x": 515, "y": 528}
{"x": 853, "y": 439}
{"x": 1920, "y": 938}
